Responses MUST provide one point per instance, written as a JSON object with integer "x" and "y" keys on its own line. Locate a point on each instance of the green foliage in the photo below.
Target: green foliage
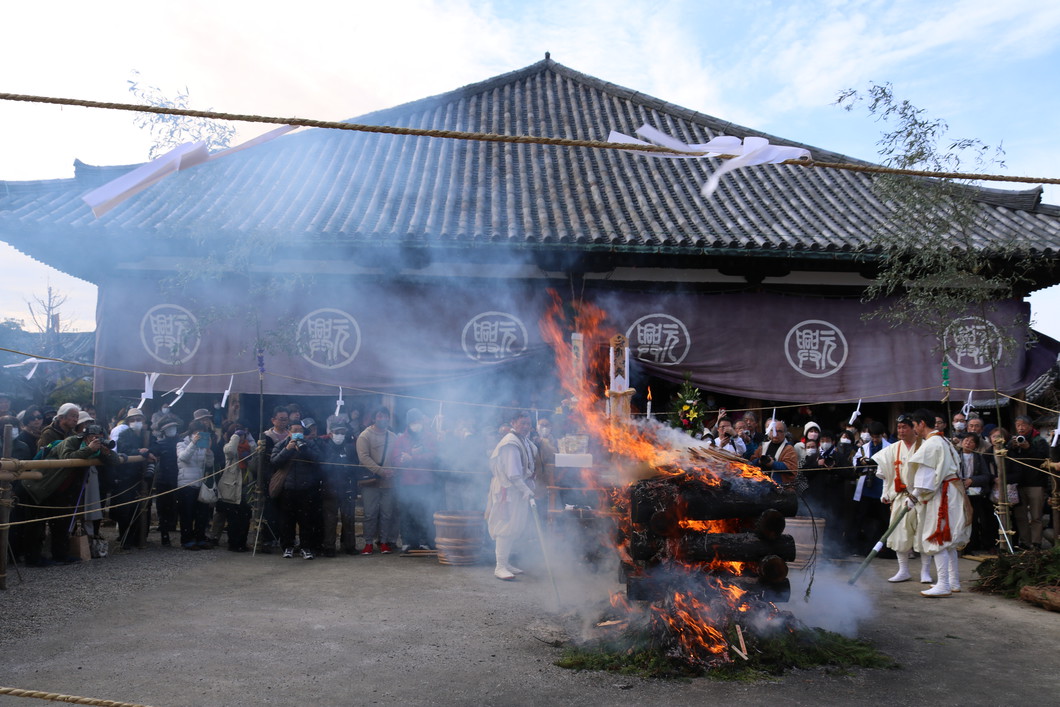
{"x": 768, "y": 655}
{"x": 169, "y": 131}
{"x": 1007, "y": 574}
{"x": 688, "y": 412}
{"x": 930, "y": 253}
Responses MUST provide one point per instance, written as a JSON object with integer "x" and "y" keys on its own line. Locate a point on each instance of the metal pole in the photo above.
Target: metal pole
{"x": 879, "y": 545}
{"x": 544, "y": 550}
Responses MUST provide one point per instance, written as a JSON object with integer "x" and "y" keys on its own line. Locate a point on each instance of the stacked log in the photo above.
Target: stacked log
{"x": 748, "y": 517}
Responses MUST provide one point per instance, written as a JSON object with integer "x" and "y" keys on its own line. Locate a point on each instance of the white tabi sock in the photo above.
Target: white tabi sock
{"x": 955, "y": 570}
{"x": 925, "y": 568}
{"x": 942, "y": 571}
{"x": 903, "y": 569}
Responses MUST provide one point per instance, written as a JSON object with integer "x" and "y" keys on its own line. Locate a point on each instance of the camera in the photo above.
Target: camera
{"x": 765, "y": 463}
{"x": 1020, "y": 439}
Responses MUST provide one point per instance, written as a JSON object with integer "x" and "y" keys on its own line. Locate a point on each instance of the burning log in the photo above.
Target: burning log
{"x": 654, "y": 587}
{"x": 697, "y": 546}
{"x": 712, "y": 499}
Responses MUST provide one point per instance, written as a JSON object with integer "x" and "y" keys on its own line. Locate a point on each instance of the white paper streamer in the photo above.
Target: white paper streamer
{"x": 149, "y": 386}
{"x": 750, "y": 151}
{"x": 856, "y": 413}
{"x": 967, "y": 405}
{"x": 104, "y": 198}
{"x": 29, "y": 362}
{"x": 179, "y": 391}
{"x": 771, "y": 428}
{"x": 1056, "y": 437}
{"x": 339, "y": 403}
{"x": 228, "y": 391}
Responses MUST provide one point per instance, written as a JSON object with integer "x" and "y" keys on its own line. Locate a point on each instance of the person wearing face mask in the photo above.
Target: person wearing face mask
{"x": 375, "y": 450}
{"x": 416, "y": 451}
{"x": 867, "y": 520}
{"x": 160, "y": 418}
{"x": 811, "y": 431}
{"x": 300, "y": 498}
{"x": 165, "y": 450}
{"x": 130, "y": 481}
{"x": 339, "y": 467}
{"x": 958, "y": 426}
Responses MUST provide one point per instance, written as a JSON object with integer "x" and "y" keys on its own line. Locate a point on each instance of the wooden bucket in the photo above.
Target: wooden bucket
{"x": 458, "y": 536}
{"x": 801, "y": 529}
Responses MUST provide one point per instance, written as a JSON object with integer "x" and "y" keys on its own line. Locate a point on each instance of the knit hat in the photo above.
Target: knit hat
{"x": 337, "y": 422}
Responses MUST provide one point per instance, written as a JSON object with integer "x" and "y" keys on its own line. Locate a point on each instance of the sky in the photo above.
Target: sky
{"x": 986, "y": 68}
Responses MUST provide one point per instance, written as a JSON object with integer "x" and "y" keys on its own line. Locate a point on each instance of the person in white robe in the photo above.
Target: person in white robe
{"x": 892, "y": 465}
{"x": 508, "y": 507}
{"x": 944, "y": 513}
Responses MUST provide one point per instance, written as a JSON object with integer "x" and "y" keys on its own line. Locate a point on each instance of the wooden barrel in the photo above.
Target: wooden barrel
{"x": 458, "y": 536}
{"x": 802, "y": 529}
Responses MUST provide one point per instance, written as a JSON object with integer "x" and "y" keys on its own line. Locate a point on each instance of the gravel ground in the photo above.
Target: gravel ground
{"x": 164, "y": 626}
{"x": 39, "y": 598}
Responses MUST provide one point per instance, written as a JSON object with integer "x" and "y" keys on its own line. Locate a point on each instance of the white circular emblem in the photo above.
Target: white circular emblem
{"x": 328, "y": 338}
{"x": 170, "y": 334}
{"x": 660, "y": 339}
{"x": 816, "y": 348}
{"x": 972, "y": 344}
{"x": 494, "y": 337}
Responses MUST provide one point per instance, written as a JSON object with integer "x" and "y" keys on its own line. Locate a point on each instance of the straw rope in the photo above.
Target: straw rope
{"x": 59, "y": 697}
{"x": 492, "y": 137}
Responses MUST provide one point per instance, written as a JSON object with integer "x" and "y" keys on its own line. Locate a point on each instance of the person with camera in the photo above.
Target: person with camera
{"x": 127, "y": 482}
{"x": 89, "y": 442}
{"x": 235, "y": 485}
{"x": 300, "y": 509}
{"x": 1026, "y": 452}
{"x": 727, "y": 439}
{"x": 776, "y": 457}
{"x": 195, "y": 466}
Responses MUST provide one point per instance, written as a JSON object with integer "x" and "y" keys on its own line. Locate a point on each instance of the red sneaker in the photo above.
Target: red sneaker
{"x": 367, "y": 549}
{"x": 384, "y": 549}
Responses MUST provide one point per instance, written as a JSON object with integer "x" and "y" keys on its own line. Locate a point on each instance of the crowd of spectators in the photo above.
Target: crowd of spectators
{"x": 202, "y": 478}
{"x": 836, "y": 477}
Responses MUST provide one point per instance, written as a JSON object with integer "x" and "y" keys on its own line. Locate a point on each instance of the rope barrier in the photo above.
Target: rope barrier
{"x": 59, "y": 697}
{"x": 493, "y": 137}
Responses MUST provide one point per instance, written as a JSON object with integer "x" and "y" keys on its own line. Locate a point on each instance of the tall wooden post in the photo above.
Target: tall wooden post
{"x": 619, "y": 391}
{"x": 1003, "y": 532}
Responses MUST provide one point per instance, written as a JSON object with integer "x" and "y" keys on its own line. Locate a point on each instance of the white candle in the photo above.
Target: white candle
{"x": 649, "y": 408}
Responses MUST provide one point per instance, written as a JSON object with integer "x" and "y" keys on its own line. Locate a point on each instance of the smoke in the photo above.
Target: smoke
{"x": 831, "y": 603}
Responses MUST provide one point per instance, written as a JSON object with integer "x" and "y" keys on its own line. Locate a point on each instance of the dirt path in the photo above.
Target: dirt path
{"x": 238, "y": 630}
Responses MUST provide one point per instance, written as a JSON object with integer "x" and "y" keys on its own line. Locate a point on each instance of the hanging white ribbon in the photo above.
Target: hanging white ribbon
{"x": 967, "y": 408}
{"x": 179, "y": 391}
{"x": 30, "y": 362}
{"x": 228, "y": 391}
{"x": 339, "y": 403}
{"x": 149, "y": 389}
{"x": 103, "y": 199}
{"x": 750, "y": 151}
{"x": 772, "y": 427}
{"x": 1056, "y": 437}
{"x": 856, "y": 413}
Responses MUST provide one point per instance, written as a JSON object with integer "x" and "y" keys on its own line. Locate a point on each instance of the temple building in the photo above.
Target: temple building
{"x": 401, "y": 264}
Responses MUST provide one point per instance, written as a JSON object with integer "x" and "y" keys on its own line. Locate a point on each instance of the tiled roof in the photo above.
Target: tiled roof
{"x": 363, "y": 189}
